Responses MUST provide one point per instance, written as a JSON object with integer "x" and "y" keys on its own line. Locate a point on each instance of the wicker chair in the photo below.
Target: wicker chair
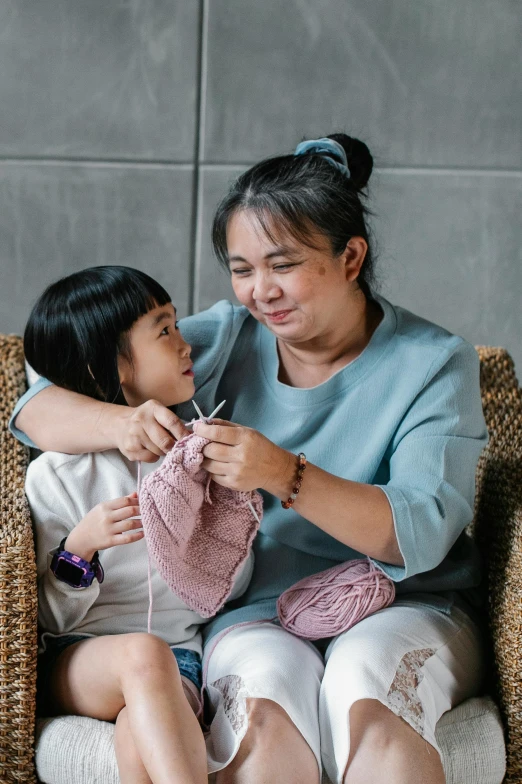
{"x": 497, "y": 527}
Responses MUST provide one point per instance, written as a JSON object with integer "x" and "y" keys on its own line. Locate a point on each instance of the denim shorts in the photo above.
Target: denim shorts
{"x": 189, "y": 665}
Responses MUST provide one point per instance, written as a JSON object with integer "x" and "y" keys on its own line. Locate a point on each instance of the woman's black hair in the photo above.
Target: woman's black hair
{"x": 302, "y": 195}
{"x": 80, "y": 325}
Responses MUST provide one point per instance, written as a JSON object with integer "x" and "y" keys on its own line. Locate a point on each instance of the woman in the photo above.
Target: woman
{"x": 386, "y": 407}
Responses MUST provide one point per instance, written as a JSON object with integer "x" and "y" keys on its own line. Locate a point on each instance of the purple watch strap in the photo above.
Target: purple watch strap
{"x": 74, "y": 570}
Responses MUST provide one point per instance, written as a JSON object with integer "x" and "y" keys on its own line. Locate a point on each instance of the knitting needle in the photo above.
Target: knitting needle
{"x": 254, "y": 513}
{"x": 198, "y": 410}
{"x": 200, "y": 413}
{"x": 213, "y": 414}
{"x": 215, "y": 411}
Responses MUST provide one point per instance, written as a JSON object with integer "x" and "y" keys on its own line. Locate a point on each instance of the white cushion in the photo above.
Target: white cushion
{"x": 471, "y": 738}
{"x": 76, "y": 750}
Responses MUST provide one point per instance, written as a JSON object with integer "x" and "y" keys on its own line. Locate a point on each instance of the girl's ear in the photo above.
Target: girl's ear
{"x": 353, "y": 257}
{"x": 125, "y": 374}
{"x": 124, "y": 370}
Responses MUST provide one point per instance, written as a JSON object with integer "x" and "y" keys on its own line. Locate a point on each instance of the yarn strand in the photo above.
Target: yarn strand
{"x": 149, "y": 571}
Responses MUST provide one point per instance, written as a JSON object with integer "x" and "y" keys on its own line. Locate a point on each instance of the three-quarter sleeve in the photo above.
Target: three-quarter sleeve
{"x": 432, "y": 463}
{"x": 41, "y": 383}
{"x": 61, "y": 608}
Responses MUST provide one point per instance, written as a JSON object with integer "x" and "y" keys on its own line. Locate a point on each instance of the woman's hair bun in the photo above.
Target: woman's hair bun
{"x": 359, "y": 157}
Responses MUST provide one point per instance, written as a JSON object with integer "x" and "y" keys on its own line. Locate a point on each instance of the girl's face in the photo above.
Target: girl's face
{"x": 161, "y": 368}
{"x": 299, "y": 293}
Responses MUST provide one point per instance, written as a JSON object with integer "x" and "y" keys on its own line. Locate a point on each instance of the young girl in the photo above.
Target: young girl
{"x": 111, "y": 333}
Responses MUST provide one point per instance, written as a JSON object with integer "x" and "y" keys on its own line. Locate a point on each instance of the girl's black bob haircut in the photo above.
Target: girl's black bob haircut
{"x": 80, "y": 325}
{"x": 302, "y": 196}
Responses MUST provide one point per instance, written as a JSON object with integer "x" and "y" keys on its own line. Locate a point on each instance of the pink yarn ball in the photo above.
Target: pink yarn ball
{"x": 328, "y": 603}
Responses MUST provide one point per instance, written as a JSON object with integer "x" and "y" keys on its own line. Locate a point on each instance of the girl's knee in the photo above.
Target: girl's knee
{"x": 145, "y": 655}
{"x": 141, "y": 644}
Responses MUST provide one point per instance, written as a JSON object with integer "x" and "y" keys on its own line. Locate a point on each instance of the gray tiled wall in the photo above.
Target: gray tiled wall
{"x": 123, "y": 123}
{"x": 58, "y": 218}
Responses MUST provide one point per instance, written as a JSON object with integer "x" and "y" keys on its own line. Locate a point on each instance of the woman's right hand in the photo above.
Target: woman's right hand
{"x": 149, "y": 431}
{"x": 107, "y": 525}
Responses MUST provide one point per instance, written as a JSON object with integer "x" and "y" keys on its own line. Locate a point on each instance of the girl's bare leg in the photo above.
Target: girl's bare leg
{"x": 99, "y": 677}
{"x": 130, "y": 766}
{"x": 272, "y": 751}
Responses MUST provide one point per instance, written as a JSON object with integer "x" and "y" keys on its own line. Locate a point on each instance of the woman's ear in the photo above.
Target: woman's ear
{"x": 353, "y": 256}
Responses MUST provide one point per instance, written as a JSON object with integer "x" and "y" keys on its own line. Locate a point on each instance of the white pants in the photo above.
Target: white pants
{"x": 416, "y": 661}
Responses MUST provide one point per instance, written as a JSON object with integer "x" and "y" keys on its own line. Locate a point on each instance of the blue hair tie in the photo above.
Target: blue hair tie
{"x": 331, "y": 148}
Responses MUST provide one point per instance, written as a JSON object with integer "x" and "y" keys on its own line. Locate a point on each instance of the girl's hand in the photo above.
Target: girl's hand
{"x": 108, "y": 524}
{"x": 243, "y": 459}
{"x": 147, "y": 432}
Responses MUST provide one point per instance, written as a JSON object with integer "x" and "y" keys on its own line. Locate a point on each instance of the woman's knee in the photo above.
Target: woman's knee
{"x": 379, "y": 739}
{"x": 267, "y": 720}
{"x": 263, "y": 713}
{"x": 373, "y": 721}
{"x": 269, "y": 725}
{"x": 273, "y": 743}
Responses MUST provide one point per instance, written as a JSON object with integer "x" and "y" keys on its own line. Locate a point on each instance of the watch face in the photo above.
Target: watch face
{"x": 68, "y": 572}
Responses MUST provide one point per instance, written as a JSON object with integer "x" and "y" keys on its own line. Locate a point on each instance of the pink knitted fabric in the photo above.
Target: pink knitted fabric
{"x": 198, "y": 533}
{"x": 333, "y": 601}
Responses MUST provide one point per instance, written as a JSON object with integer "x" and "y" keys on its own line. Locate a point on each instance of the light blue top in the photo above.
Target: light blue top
{"x": 406, "y": 415}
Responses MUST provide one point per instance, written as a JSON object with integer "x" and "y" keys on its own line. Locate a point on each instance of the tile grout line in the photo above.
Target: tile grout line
{"x": 203, "y": 84}
{"x": 409, "y": 170}
{"x": 123, "y": 163}
{"x": 113, "y": 163}
{"x": 449, "y": 171}
{"x": 193, "y": 292}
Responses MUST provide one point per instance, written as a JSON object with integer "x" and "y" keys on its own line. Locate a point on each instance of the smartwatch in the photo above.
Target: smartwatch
{"x": 75, "y": 571}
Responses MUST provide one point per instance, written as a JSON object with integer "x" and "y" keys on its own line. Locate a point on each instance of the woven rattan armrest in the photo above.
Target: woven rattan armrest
{"x": 18, "y": 597}
{"x": 498, "y": 531}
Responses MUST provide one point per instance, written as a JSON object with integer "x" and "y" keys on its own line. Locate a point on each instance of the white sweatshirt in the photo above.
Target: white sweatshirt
{"x": 61, "y": 489}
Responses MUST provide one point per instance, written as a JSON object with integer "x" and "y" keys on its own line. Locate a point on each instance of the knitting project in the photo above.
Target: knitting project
{"x": 198, "y": 533}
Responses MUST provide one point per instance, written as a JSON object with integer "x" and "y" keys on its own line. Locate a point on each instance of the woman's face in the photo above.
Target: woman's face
{"x": 299, "y": 293}
{"x": 161, "y": 368}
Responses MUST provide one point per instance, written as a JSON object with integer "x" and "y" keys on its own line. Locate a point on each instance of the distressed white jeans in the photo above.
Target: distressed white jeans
{"x": 415, "y": 660}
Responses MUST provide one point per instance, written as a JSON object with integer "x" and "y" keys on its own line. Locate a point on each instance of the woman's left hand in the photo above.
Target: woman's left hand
{"x": 242, "y": 458}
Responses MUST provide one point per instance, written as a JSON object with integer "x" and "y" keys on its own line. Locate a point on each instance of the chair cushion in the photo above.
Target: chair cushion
{"x": 77, "y": 750}
{"x": 471, "y": 738}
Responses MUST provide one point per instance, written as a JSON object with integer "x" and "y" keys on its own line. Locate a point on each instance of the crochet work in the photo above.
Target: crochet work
{"x": 198, "y": 533}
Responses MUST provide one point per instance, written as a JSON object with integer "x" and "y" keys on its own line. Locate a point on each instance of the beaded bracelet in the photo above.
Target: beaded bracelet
{"x": 299, "y": 481}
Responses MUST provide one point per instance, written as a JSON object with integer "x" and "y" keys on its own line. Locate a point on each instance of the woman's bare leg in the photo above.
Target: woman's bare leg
{"x": 272, "y": 751}
{"x": 384, "y": 748}
{"x": 101, "y": 676}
